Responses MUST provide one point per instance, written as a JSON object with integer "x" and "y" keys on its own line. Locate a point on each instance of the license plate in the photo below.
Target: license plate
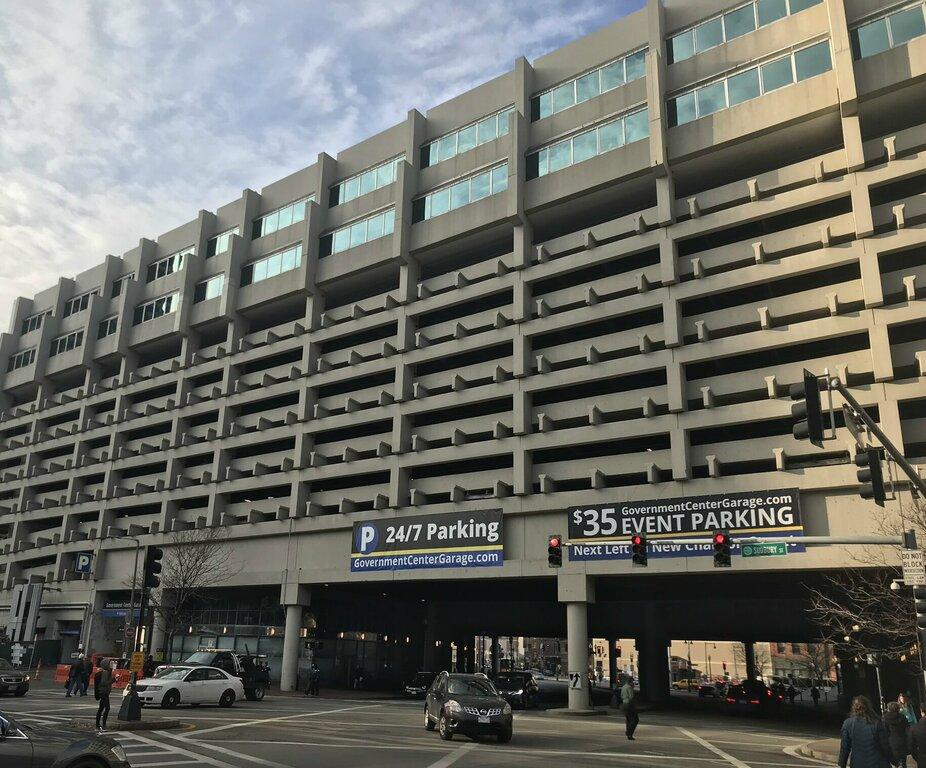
{"x": 483, "y": 719}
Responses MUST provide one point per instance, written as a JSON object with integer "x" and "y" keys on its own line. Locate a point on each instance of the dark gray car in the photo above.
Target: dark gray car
{"x": 13, "y": 680}
{"x": 467, "y": 704}
{"x": 26, "y": 746}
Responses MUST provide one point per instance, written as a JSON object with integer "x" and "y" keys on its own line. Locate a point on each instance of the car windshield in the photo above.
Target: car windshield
{"x": 174, "y": 673}
{"x": 5, "y": 665}
{"x": 471, "y": 687}
{"x": 509, "y": 681}
{"x": 423, "y": 678}
{"x": 200, "y": 657}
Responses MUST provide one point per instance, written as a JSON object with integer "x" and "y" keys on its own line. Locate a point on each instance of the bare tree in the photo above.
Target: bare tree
{"x": 194, "y": 560}
{"x": 860, "y": 612}
{"x": 763, "y": 658}
{"x": 815, "y": 662}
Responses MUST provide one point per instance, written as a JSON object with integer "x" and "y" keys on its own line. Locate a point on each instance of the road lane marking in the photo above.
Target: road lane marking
{"x": 317, "y": 713}
{"x": 452, "y": 757}
{"x": 197, "y": 757}
{"x": 716, "y": 750}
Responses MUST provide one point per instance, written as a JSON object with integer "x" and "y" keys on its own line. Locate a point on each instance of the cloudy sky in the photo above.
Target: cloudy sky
{"x": 121, "y": 119}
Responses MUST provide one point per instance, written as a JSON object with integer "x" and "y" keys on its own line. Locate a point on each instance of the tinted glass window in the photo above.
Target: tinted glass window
{"x": 771, "y": 10}
{"x": 682, "y": 46}
{"x": 709, "y": 35}
{"x": 812, "y": 61}
{"x": 776, "y": 74}
{"x": 587, "y": 87}
{"x": 799, "y": 5}
{"x": 740, "y": 22}
{"x": 907, "y": 24}
{"x": 743, "y": 86}
{"x": 612, "y": 76}
{"x": 471, "y": 687}
{"x": 711, "y": 98}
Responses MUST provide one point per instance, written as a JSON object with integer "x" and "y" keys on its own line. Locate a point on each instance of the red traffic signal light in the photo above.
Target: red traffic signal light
{"x": 638, "y": 550}
{"x": 720, "y": 538}
{"x": 637, "y": 540}
{"x": 555, "y": 550}
{"x": 722, "y": 549}
{"x": 554, "y": 541}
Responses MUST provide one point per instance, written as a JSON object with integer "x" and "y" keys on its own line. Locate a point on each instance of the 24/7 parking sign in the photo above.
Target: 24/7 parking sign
{"x": 83, "y": 562}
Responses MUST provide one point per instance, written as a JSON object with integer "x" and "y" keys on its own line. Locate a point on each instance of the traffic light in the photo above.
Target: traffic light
{"x": 869, "y": 475}
{"x": 640, "y": 555}
{"x": 153, "y": 557}
{"x": 807, "y": 412}
{"x": 722, "y": 549}
{"x": 555, "y": 551}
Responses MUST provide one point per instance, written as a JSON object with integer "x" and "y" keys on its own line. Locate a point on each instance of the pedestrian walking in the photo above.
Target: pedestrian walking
{"x": 815, "y": 695}
{"x": 314, "y": 678}
{"x": 782, "y": 691}
{"x": 792, "y": 693}
{"x": 629, "y": 706}
{"x": 85, "y": 675}
{"x": 591, "y": 685}
{"x": 916, "y": 740}
{"x": 906, "y": 707}
{"x": 149, "y": 666}
{"x": 74, "y": 674}
{"x": 102, "y": 688}
{"x": 897, "y": 727}
{"x": 864, "y": 740}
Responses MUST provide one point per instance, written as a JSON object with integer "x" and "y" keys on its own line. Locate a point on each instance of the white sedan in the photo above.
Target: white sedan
{"x": 190, "y": 685}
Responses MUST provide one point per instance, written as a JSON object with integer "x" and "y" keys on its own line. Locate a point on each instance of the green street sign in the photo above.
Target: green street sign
{"x": 772, "y": 549}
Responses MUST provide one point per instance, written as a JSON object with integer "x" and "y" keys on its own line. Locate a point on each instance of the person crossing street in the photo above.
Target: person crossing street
{"x": 629, "y": 707}
{"x": 102, "y": 688}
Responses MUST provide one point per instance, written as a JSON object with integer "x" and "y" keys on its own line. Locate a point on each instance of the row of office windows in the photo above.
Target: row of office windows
{"x": 463, "y": 139}
{"x": 583, "y": 146}
{"x": 461, "y": 193}
{"x": 167, "y": 266}
{"x": 155, "y": 308}
{"x": 889, "y": 31}
{"x": 267, "y": 267}
{"x": 364, "y": 183}
{"x": 21, "y": 360}
{"x": 279, "y": 219}
{"x": 589, "y": 85}
{"x": 33, "y": 323}
{"x": 66, "y": 343}
{"x": 78, "y": 303}
{"x": 732, "y": 24}
{"x": 750, "y": 83}
{"x": 364, "y": 231}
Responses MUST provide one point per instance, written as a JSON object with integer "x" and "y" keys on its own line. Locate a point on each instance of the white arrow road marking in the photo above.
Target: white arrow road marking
{"x": 716, "y": 750}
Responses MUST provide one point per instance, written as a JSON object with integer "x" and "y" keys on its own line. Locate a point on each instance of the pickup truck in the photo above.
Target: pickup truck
{"x": 254, "y": 673}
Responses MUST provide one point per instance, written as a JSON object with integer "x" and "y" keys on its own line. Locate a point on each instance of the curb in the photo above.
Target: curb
{"x": 563, "y": 712}
{"x": 819, "y": 750}
{"x": 128, "y": 726}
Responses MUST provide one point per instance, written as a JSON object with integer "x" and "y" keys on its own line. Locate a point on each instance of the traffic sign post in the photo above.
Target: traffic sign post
{"x": 138, "y": 662}
{"x": 914, "y": 567}
{"x": 771, "y": 549}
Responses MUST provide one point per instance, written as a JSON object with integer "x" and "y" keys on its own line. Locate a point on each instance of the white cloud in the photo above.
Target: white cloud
{"x": 121, "y": 120}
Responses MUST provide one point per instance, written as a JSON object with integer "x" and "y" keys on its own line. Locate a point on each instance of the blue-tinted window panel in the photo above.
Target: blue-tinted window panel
{"x": 584, "y": 146}
{"x": 486, "y": 129}
{"x": 907, "y": 24}
{"x": 374, "y": 228}
{"x": 546, "y": 104}
{"x": 685, "y": 109}
{"x": 776, "y": 74}
{"x": 389, "y": 222}
{"x": 708, "y": 35}
{"x": 358, "y": 234}
{"x": 743, "y": 87}
{"x": 611, "y": 136}
{"x": 800, "y": 5}
{"x": 341, "y": 240}
{"x": 351, "y": 188}
{"x": 447, "y": 146}
{"x": 564, "y": 96}
{"x": 871, "y": 39}
{"x": 740, "y": 22}
{"x": 503, "y": 122}
{"x": 459, "y": 194}
{"x": 587, "y": 87}
{"x": 466, "y": 139}
{"x": 711, "y": 98}
{"x": 440, "y": 202}
{"x": 499, "y": 179}
{"x": 288, "y": 260}
{"x": 635, "y": 65}
{"x": 560, "y": 156}
{"x": 771, "y": 10}
{"x": 367, "y": 182}
{"x": 481, "y": 186}
{"x": 681, "y": 46}
{"x": 286, "y": 217}
{"x": 385, "y": 174}
{"x": 636, "y": 126}
{"x": 812, "y": 61}
{"x": 612, "y": 76}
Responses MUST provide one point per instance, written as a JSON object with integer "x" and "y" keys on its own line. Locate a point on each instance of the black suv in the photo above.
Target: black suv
{"x": 467, "y": 704}
{"x": 518, "y": 688}
{"x": 417, "y": 687}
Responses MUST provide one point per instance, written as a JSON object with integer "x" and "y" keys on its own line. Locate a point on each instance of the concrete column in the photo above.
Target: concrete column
{"x": 612, "y": 661}
{"x": 750, "y": 659}
{"x": 654, "y": 668}
{"x": 496, "y": 656}
{"x": 577, "y": 653}
{"x": 291, "y": 648}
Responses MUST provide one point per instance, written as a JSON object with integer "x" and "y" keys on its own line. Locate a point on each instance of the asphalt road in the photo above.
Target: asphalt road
{"x": 287, "y": 732}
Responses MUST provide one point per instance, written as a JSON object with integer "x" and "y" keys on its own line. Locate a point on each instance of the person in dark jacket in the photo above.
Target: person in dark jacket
{"x": 149, "y": 666}
{"x": 85, "y": 674}
{"x": 74, "y": 674}
{"x": 906, "y": 707}
{"x": 897, "y": 726}
{"x": 102, "y": 688}
{"x": 916, "y": 740}
{"x": 864, "y": 741}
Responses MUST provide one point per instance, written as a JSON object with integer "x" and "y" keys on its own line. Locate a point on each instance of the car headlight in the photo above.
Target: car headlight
{"x": 154, "y": 687}
{"x": 453, "y": 707}
{"x": 519, "y": 692}
{"x": 26, "y": 679}
{"x": 119, "y": 752}
{"x": 506, "y": 709}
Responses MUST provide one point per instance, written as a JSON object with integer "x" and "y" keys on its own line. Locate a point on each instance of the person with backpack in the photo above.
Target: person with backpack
{"x": 75, "y": 673}
{"x": 102, "y": 688}
{"x": 897, "y": 727}
{"x": 864, "y": 741}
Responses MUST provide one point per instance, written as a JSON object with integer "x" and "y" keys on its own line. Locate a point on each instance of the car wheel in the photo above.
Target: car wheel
{"x": 255, "y": 694}
{"x": 443, "y": 728}
{"x": 505, "y": 736}
{"x": 428, "y": 722}
{"x": 228, "y": 698}
{"x": 89, "y": 763}
{"x": 21, "y": 691}
{"x": 171, "y": 699}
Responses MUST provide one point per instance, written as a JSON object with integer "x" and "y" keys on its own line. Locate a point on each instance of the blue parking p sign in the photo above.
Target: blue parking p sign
{"x": 83, "y": 562}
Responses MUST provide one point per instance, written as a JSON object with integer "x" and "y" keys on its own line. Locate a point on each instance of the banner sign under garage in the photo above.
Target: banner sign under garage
{"x": 766, "y": 514}
{"x": 465, "y": 540}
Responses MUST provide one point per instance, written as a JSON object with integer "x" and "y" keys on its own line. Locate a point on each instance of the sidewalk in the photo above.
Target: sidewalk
{"x": 826, "y": 750}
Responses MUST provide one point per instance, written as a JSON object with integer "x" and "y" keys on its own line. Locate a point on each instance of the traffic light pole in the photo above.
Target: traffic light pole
{"x": 895, "y": 454}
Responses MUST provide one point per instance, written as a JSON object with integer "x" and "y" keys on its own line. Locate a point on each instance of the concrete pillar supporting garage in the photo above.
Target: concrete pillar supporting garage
{"x": 296, "y": 598}
{"x": 496, "y": 654}
{"x": 653, "y": 666}
{"x": 577, "y": 591}
{"x": 750, "y": 659}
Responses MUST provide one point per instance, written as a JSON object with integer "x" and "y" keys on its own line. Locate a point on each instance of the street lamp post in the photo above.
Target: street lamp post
{"x": 131, "y": 614}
